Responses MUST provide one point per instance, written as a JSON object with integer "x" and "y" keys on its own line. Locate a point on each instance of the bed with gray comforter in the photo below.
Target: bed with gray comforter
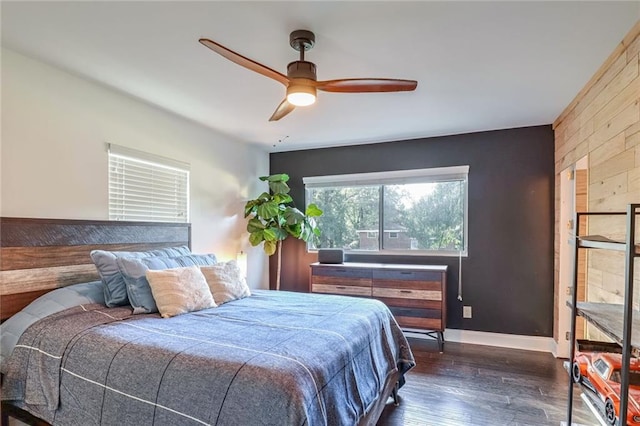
{"x": 274, "y": 358}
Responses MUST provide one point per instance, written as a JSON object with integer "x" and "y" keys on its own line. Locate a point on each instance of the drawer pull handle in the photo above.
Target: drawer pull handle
{"x": 406, "y": 273}
{"x": 341, "y": 287}
{"x": 406, "y": 291}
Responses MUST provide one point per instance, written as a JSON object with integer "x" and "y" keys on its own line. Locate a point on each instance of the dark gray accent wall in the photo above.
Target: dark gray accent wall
{"x": 508, "y": 275}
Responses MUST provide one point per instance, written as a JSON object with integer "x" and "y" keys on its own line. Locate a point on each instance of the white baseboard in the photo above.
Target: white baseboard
{"x": 513, "y": 341}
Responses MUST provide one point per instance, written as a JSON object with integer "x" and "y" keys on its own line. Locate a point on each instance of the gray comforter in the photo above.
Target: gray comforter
{"x": 274, "y": 358}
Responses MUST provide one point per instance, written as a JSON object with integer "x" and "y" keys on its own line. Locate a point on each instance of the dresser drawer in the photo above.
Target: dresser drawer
{"x": 337, "y": 271}
{"x": 407, "y": 294}
{"x": 420, "y": 323}
{"x": 347, "y": 290}
{"x": 400, "y": 275}
{"x": 430, "y": 319}
{"x": 415, "y": 312}
{"x": 333, "y": 280}
{"x": 408, "y": 285}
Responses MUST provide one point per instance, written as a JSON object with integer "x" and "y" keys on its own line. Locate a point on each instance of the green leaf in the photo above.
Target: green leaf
{"x": 306, "y": 233}
{"x": 255, "y": 238}
{"x": 282, "y": 198}
{"x": 270, "y": 247}
{"x": 279, "y": 187}
{"x": 313, "y": 211}
{"x": 263, "y": 198}
{"x": 268, "y": 210}
{"x": 281, "y": 177}
{"x": 293, "y": 216}
{"x": 270, "y": 234}
{"x": 255, "y": 225}
{"x": 282, "y": 234}
{"x": 294, "y": 229}
{"x": 249, "y": 208}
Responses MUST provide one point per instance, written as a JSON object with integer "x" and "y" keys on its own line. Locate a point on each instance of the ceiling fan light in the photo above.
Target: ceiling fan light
{"x": 301, "y": 95}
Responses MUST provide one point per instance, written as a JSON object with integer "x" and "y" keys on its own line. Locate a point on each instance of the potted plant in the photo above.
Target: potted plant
{"x": 274, "y": 217}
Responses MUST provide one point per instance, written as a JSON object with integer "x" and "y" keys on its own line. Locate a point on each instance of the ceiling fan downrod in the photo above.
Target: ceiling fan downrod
{"x": 302, "y": 40}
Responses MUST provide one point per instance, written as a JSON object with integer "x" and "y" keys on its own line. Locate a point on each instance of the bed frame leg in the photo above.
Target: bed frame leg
{"x": 5, "y": 417}
{"x": 394, "y": 394}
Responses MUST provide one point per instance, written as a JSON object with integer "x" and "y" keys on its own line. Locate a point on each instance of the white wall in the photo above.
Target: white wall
{"x": 55, "y": 127}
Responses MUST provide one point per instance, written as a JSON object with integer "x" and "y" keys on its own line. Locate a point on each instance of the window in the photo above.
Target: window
{"x": 602, "y": 368}
{"x": 410, "y": 212}
{"x": 634, "y": 378}
{"x": 146, "y": 187}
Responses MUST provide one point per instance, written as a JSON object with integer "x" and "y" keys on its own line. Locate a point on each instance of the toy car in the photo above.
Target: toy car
{"x": 600, "y": 372}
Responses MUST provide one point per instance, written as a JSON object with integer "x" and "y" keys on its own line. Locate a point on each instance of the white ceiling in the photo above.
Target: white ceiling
{"x": 479, "y": 65}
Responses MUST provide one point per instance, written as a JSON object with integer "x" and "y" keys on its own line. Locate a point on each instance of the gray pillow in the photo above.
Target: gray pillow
{"x": 115, "y": 290}
{"x": 47, "y": 304}
{"x": 134, "y": 273}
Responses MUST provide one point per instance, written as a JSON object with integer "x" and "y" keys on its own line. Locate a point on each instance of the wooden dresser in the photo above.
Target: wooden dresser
{"x": 415, "y": 294}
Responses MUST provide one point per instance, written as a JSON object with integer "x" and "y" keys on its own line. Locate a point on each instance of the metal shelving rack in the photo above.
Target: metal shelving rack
{"x": 616, "y": 321}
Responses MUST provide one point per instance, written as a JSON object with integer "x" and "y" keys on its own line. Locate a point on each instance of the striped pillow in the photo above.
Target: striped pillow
{"x": 180, "y": 290}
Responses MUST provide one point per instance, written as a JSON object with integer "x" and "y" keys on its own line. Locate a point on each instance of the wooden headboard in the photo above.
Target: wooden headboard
{"x": 39, "y": 255}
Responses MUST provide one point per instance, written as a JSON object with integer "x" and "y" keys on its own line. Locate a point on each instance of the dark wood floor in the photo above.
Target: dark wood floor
{"x": 475, "y": 385}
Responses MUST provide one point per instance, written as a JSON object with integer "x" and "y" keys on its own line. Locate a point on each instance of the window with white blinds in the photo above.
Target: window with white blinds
{"x": 146, "y": 187}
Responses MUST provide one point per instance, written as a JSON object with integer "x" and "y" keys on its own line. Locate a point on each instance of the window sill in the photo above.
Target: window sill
{"x": 420, "y": 253}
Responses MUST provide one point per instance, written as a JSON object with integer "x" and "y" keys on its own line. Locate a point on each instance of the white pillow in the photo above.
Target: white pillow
{"x": 226, "y": 281}
{"x": 179, "y": 290}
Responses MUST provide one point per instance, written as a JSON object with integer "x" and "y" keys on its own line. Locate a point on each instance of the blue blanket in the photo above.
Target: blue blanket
{"x": 273, "y": 358}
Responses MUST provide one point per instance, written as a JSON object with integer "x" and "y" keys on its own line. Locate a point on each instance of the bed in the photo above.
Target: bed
{"x": 269, "y": 358}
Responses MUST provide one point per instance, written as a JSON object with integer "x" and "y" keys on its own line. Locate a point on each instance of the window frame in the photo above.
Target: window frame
{"x": 602, "y": 368}
{"x": 151, "y": 162}
{"x": 397, "y": 177}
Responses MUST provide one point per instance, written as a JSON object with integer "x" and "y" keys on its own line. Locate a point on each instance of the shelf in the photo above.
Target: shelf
{"x": 600, "y": 242}
{"x": 611, "y": 319}
{"x": 608, "y": 317}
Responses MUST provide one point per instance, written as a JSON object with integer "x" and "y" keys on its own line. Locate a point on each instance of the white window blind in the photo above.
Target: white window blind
{"x": 146, "y": 187}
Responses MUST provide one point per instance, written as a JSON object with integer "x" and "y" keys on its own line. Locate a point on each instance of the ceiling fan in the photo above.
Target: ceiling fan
{"x": 301, "y": 81}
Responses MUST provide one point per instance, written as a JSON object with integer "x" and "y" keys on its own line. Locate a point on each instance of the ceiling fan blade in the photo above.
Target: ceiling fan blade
{"x": 364, "y": 85}
{"x": 283, "y": 109}
{"x": 244, "y": 61}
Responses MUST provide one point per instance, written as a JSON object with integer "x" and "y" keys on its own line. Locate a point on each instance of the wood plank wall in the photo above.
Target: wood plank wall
{"x": 39, "y": 255}
{"x": 581, "y": 205}
{"x": 603, "y": 122}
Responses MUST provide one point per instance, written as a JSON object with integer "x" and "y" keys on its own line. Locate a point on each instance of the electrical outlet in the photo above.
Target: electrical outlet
{"x": 466, "y": 312}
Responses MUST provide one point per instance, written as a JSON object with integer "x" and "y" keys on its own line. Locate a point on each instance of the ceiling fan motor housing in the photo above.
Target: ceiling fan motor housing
{"x": 302, "y": 78}
{"x": 301, "y": 69}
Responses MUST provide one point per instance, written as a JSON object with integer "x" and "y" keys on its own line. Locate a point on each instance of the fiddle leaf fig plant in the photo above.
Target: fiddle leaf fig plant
{"x": 273, "y": 217}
